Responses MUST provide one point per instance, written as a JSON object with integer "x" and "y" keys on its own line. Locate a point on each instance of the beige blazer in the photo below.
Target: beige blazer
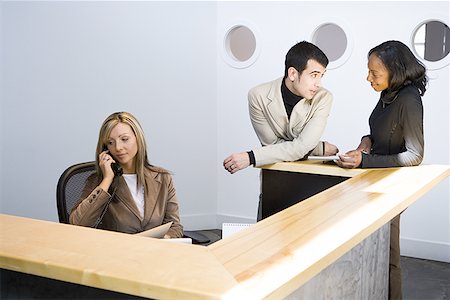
{"x": 286, "y": 139}
{"x": 161, "y": 205}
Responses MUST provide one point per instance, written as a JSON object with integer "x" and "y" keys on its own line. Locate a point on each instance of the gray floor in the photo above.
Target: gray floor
{"x": 422, "y": 279}
{"x": 425, "y": 279}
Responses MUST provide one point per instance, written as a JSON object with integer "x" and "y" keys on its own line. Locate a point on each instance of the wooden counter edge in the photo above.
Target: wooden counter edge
{"x": 111, "y": 260}
{"x": 314, "y": 167}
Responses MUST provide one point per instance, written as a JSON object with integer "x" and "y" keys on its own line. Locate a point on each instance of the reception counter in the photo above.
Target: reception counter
{"x": 269, "y": 260}
{"x": 285, "y": 184}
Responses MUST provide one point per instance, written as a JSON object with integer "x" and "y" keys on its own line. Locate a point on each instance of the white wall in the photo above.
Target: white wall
{"x": 425, "y": 225}
{"x": 65, "y": 66}
{"x": 68, "y": 65}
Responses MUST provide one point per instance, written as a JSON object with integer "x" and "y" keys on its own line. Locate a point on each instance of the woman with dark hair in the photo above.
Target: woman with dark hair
{"x": 396, "y": 127}
{"x": 142, "y": 198}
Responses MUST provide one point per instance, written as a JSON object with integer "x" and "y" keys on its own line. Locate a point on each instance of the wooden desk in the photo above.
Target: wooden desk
{"x": 270, "y": 259}
{"x": 285, "y": 184}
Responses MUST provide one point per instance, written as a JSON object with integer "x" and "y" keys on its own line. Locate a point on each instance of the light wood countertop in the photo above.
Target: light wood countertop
{"x": 314, "y": 167}
{"x": 269, "y": 259}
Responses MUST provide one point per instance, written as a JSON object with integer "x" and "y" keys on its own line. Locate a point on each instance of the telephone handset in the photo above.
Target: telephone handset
{"x": 117, "y": 169}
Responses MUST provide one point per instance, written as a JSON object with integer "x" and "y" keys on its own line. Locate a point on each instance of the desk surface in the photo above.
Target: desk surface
{"x": 267, "y": 260}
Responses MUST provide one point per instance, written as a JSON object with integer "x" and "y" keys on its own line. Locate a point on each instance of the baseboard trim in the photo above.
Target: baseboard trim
{"x": 425, "y": 249}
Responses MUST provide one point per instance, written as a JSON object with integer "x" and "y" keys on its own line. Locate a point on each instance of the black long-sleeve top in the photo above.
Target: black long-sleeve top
{"x": 396, "y": 131}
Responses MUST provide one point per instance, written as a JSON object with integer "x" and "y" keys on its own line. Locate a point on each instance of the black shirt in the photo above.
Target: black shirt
{"x": 289, "y": 99}
{"x": 396, "y": 131}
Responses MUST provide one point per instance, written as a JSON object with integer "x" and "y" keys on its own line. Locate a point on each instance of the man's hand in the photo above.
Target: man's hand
{"x": 330, "y": 149}
{"x": 236, "y": 162}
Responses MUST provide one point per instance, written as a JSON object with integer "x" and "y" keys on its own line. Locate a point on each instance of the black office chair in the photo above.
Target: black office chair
{"x": 69, "y": 189}
{"x": 70, "y": 186}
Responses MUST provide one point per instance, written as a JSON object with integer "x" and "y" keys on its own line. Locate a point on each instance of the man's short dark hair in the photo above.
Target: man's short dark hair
{"x": 299, "y": 55}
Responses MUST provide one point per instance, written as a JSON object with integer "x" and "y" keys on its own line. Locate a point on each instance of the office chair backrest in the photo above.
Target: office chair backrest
{"x": 70, "y": 186}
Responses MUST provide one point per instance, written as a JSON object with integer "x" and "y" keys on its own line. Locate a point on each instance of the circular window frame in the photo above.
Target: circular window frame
{"x": 430, "y": 65}
{"x": 349, "y": 35}
{"x": 227, "y": 55}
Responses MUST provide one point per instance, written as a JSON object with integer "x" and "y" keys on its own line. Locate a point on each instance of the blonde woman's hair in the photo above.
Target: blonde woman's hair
{"x": 141, "y": 159}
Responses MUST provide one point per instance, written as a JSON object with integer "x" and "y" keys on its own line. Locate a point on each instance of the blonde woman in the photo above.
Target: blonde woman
{"x": 142, "y": 198}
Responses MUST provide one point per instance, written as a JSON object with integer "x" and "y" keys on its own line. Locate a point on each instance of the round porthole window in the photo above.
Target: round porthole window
{"x": 334, "y": 42}
{"x": 431, "y": 43}
{"x": 240, "y": 46}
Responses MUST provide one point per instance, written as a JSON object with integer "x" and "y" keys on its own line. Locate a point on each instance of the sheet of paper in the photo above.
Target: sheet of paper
{"x": 230, "y": 228}
{"x": 179, "y": 240}
{"x": 156, "y": 232}
{"x": 331, "y": 157}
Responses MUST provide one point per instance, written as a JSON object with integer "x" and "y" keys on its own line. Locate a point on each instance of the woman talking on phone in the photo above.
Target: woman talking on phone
{"x": 396, "y": 127}
{"x": 142, "y": 198}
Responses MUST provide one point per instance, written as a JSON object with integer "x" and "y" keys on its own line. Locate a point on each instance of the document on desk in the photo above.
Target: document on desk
{"x": 156, "y": 232}
{"x": 230, "y": 228}
{"x": 325, "y": 158}
{"x": 179, "y": 240}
